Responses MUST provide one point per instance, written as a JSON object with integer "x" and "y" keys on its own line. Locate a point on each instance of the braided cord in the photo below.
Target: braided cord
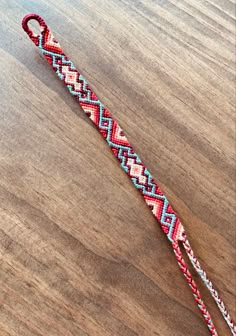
{"x": 196, "y": 264}
{"x": 196, "y": 294}
{"x": 129, "y": 161}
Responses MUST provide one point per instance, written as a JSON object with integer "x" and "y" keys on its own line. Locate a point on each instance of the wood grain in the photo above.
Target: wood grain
{"x": 80, "y": 253}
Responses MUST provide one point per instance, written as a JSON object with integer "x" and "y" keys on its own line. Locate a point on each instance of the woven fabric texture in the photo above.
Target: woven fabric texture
{"x": 129, "y": 161}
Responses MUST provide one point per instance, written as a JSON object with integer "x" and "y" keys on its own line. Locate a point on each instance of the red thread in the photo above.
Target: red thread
{"x": 32, "y": 35}
{"x": 129, "y": 161}
{"x": 196, "y": 294}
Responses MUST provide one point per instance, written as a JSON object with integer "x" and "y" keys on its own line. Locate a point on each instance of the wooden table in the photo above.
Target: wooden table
{"x": 80, "y": 252}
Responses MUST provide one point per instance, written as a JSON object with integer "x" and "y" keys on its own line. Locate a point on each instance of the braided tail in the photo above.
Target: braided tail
{"x": 196, "y": 294}
{"x": 209, "y": 285}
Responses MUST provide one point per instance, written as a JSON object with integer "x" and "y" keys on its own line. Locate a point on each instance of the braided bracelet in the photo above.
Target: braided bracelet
{"x": 130, "y": 162}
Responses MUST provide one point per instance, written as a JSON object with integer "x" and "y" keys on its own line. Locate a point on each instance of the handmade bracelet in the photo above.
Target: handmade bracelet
{"x": 130, "y": 162}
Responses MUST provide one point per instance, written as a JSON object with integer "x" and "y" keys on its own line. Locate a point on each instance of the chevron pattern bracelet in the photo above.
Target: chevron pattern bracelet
{"x": 130, "y": 162}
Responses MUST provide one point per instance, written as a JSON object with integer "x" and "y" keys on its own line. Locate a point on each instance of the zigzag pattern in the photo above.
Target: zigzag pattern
{"x": 114, "y": 135}
{"x": 129, "y": 161}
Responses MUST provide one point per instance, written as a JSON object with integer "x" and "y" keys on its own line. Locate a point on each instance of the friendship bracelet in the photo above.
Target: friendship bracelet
{"x": 130, "y": 162}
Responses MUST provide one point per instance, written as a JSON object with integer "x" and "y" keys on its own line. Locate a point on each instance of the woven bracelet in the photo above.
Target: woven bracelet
{"x": 130, "y": 162}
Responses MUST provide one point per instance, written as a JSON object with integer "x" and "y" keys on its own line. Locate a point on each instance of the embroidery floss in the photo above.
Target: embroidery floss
{"x": 130, "y": 162}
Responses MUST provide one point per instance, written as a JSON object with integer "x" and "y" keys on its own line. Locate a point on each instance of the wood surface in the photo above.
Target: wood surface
{"x": 80, "y": 252}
